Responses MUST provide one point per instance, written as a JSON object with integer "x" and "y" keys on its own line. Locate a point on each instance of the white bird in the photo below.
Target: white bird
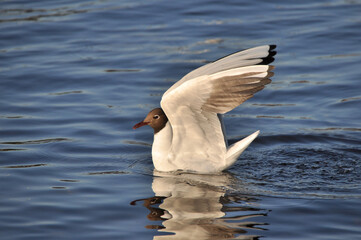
{"x": 189, "y": 134}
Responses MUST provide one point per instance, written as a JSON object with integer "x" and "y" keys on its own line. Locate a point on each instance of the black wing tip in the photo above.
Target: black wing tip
{"x": 267, "y": 60}
{"x": 271, "y": 53}
{"x": 272, "y": 46}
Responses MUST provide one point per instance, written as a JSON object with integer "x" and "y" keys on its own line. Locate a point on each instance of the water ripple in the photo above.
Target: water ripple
{"x": 27, "y": 166}
{"x": 40, "y": 141}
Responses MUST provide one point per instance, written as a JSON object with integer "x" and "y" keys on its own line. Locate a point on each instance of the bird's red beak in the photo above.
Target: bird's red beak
{"x": 140, "y": 124}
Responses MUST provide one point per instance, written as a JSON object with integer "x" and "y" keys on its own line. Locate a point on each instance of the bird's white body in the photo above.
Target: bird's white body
{"x": 193, "y": 138}
{"x": 166, "y": 159}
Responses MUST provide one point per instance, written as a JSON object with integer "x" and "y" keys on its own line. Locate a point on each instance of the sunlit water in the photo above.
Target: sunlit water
{"x": 77, "y": 75}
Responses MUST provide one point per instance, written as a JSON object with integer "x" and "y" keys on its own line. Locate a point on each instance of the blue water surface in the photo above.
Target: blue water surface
{"x": 75, "y": 76}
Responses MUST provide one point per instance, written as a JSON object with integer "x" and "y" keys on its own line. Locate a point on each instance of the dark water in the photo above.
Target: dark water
{"x": 76, "y": 75}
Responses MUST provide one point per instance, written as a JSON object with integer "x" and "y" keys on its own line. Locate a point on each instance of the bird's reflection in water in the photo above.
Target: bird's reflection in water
{"x": 193, "y": 206}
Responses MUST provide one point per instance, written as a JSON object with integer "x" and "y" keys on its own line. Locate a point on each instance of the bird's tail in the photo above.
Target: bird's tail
{"x": 236, "y": 149}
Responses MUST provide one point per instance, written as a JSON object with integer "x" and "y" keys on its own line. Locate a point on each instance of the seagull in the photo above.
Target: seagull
{"x": 189, "y": 134}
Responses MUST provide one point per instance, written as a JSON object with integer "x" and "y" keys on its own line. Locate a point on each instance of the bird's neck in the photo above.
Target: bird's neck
{"x": 161, "y": 146}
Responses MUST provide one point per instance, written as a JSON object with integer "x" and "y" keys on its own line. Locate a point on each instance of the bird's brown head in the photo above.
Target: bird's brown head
{"x": 155, "y": 118}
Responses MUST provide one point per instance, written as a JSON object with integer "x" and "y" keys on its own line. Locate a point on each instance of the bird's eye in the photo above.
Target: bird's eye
{"x": 156, "y": 116}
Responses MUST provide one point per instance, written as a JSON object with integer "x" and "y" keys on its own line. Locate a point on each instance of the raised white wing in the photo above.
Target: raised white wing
{"x": 192, "y": 105}
{"x": 261, "y": 55}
